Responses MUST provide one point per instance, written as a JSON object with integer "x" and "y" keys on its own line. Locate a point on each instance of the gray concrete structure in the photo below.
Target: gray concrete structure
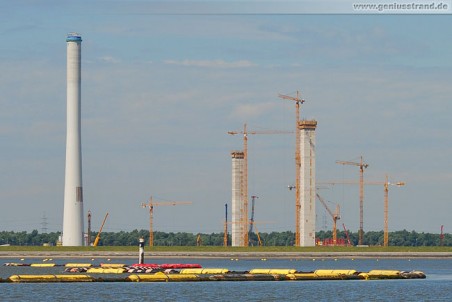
{"x": 237, "y": 211}
{"x": 307, "y": 183}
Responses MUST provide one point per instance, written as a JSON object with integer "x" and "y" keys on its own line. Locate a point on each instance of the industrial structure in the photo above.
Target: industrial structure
{"x": 88, "y": 234}
{"x": 307, "y": 186}
{"x": 335, "y": 216}
{"x": 151, "y": 204}
{"x": 239, "y": 214}
{"x": 73, "y": 189}
{"x": 298, "y": 101}
{"x": 385, "y": 185}
{"x": 361, "y": 166}
{"x": 241, "y": 224}
{"x": 96, "y": 241}
{"x": 253, "y": 204}
{"x": 225, "y": 228}
{"x": 244, "y": 182}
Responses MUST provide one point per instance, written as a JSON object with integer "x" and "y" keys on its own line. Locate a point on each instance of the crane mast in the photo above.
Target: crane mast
{"x": 361, "y": 166}
{"x": 386, "y": 206}
{"x": 225, "y": 237}
{"x": 297, "y": 101}
{"x": 386, "y": 185}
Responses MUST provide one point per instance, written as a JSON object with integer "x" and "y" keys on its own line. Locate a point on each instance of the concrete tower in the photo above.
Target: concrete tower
{"x": 73, "y": 190}
{"x": 307, "y": 185}
{"x": 237, "y": 228}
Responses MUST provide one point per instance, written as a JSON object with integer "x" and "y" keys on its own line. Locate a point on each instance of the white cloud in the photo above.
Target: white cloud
{"x": 109, "y": 59}
{"x": 253, "y": 110}
{"x": 212, "y": 63}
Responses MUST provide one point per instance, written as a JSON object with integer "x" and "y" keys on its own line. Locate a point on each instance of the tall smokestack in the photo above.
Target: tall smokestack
{"x": 73, "y": 190}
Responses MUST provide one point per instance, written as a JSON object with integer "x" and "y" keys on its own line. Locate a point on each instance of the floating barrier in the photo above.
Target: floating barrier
{"x": 303, "y": 276}
{"x": 278, "y": 271}
{"x": 76, "y": 270}
{"x": 15, "y": 264}
{"x": 194, "y": 272}
{"x": 101, "y": 270}
{"x": 389, "y": 274}
{"x": 49, "y": 278}
{"x": 204, "y": 271}
{"x": 246, "y": 277}
{"x": 413, "y": 275}
{"x": 336, "y": 272}
{"x": 381, "y": 274}
{"x": 42, "y": 264}
{"x": 112, "y": 265}
{"x": 78, "y": 265}
{"x": 168, "y": 265}
{"x": 162, "y": 277}
{"x": 143, "y": 270}
{"x": 157, "y": 277}
{"x": 148, "y": 265}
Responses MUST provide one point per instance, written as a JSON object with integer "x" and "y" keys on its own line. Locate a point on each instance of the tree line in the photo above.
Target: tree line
{"x": 287, "y": 238}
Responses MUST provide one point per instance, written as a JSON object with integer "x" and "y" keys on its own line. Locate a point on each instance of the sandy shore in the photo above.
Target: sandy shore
{"x": 225, "y": 255}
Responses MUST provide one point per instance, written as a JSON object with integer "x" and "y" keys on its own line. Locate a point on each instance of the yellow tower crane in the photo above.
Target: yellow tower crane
{"x": 245, "y": 222}
{"x": 298, "y": 101}
{"x": 385, "y": 185}
{"x": 335, "y": 216}
{"x": 151, "y": 204}
{"x": 361, "y": 166}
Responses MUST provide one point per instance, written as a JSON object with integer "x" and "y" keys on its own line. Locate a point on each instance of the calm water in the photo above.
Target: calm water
{"x": 437, "y": 286}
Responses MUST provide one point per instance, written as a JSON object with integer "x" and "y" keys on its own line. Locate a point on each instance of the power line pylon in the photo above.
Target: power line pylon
{"x": 44, "y": 224}
{"x": 297, "y": 101}
{"x": 151, "y": 204}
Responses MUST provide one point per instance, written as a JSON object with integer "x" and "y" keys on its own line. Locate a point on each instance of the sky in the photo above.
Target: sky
{"x": 162, "y": 87}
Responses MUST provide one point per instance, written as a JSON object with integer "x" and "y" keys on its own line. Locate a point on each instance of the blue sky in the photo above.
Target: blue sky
{"x": 160, "y": 92}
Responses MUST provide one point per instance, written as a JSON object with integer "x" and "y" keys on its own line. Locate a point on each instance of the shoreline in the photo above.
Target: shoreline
{"x": 226, "y": 255}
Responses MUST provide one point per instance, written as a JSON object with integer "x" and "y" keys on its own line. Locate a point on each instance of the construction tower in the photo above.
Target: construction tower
{"x": 307, "y": 182}
{"x": 239, "y": 216}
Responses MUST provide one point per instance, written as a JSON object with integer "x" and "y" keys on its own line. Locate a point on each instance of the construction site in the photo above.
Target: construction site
{"x": 305, "y": 187}
{"x": 241, "y": 225}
